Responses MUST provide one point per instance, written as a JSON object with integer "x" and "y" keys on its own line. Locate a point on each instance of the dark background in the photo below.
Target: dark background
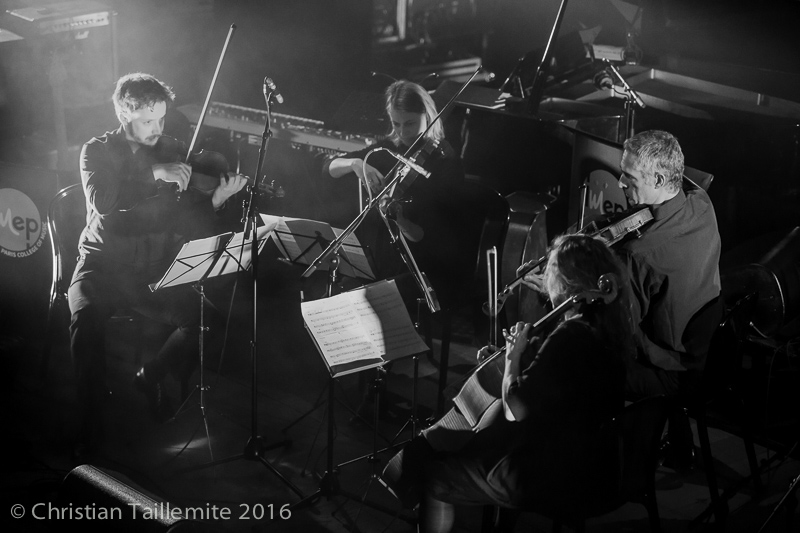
{"x": 331, "y": 58}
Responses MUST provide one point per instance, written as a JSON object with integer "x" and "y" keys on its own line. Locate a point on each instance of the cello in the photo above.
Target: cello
{"x": 478, "y": 404}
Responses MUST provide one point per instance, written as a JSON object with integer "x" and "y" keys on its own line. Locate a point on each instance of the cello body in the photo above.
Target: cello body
{"x": 526, "y": 240}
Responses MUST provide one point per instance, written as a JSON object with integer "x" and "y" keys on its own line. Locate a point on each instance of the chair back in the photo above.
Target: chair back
{"x": 699, "y": 332}
{"x": 725, "y": 353}
{"x": 66, "y": 218}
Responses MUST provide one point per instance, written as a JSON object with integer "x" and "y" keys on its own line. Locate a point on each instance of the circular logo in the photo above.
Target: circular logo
{"x": 22, "y": 230}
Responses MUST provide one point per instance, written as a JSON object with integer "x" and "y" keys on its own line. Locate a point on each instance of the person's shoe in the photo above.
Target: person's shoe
{"x": 154, "y": 394}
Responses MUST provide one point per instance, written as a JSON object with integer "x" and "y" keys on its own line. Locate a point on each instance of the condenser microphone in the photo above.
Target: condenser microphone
{"x": 271, "y": 91}
{"x": 415, "y": 167}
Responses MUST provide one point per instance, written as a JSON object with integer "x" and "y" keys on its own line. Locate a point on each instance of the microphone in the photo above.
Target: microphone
{"x": 603, "y": 80}
{"x": 418, "y": 169}
{"x": 271, "y": 91}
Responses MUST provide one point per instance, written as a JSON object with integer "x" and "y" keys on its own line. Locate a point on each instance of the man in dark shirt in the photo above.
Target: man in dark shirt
{"x": 674, "y": 265}
{"x": 674, "y": 271}
{"x": 134, "y": 229}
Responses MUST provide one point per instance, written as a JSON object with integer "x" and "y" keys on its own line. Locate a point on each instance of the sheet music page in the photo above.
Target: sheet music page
{"x": 238, "y": 252}
{"x": 337, "y": 328}
{"x": 188, "y": 266}
{"x": 355, "y": 256}
{"x": 384, "y": 316}
{"x": 302, "y": 240}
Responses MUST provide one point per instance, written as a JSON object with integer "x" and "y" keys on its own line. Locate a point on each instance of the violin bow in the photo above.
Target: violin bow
{"x": 210, "y": 91}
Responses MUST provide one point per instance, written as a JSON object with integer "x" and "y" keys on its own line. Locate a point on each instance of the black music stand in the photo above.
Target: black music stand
{"x": 197, "y": 261}
{"x": 194, "y": 264}
{"x": 238, "y": 256}
{"x": 301, "y": 240}
{"x": 379, "y": 330}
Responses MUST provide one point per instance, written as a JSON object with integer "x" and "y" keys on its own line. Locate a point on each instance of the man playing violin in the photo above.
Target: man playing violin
{"x": 134, "y": 229}
{"x": 674, "y": 270}
{"x": 424, "y": 210}
{"x": 674, "y": 273}
{"x": 556, "y": 394}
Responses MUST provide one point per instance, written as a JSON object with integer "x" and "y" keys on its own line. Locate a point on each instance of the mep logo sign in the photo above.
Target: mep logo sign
{"x": 22, "y": 231}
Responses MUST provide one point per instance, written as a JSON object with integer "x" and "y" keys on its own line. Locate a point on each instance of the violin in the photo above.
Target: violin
{"x": 611, "y": 234}
{"x": 404, "y": 175}
{"x": 207, "y": 167}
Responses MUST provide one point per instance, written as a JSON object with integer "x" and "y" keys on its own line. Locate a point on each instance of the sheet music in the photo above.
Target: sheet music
{"x": 355, "y": 256}
{"x": 192, "y": 262}
{"x": 384, "y": 315}
{"x": 238, "y": 252}
{"x": 336, "y": 326}
{"x": 302, "y": 241}
{"x": 367, "y": 323}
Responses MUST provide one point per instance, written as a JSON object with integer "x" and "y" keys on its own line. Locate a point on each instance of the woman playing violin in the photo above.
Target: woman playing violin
{"x": 132, "y": 233}
{"x": 555, "y": 399}
{"x": 421, "y": 207}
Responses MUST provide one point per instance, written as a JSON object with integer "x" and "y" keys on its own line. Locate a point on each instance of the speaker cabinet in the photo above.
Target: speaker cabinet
{"x": 45, "y": 75}
{"x": 93, "y": 491}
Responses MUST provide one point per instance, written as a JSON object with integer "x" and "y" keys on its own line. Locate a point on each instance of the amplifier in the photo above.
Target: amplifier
{"x": 64, "y": 16}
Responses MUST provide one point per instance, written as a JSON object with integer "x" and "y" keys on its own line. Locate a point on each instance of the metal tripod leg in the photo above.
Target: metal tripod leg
{"x": 201, "y": 388}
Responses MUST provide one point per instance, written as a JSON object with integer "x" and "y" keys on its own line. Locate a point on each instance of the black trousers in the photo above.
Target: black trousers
{"x": 98, "y": 289}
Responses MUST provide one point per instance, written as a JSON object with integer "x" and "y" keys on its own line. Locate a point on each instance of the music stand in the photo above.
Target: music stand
{"x": 197, "y": 261}
{"x": 374, "y": 329}
{"x": 300, "y": 241}
{"x": 238, "y": 256}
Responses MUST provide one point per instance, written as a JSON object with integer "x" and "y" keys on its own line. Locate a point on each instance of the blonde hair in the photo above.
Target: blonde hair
{"x": 411, "y": 97}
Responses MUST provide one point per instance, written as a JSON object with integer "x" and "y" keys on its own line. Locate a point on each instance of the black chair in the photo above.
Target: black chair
{"x": 717, "y": 402}
{"x": 66, "y": 218}
{"x": 483, "y": 214}
{"x": 621, "y": 472}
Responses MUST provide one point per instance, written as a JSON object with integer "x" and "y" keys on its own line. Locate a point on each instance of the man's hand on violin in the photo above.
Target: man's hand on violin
{"x": 178, "y": 173}
{"x": 228, "y": 186}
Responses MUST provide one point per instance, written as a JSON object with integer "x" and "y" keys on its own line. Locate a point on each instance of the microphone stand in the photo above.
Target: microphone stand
{"x": 632, "y": 99}
{"x": 255, "y": 447}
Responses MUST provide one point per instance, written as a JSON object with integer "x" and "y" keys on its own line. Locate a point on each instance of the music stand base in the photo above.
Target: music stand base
{"x": 203, "y": 415}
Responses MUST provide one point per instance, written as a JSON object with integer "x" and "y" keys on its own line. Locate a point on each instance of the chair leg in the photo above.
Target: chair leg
{"x": 44, "y": 363}
{"x": 444, "y": 358}
{"x": 720, "y": 507}
{"x": 750, "y": 450}
{"x": 652, "y": 512}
